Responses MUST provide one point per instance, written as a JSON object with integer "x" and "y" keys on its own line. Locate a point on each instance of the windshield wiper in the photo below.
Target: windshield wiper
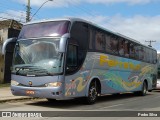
{"x": 21, "y": 68}
{"x": 33, "y": 70}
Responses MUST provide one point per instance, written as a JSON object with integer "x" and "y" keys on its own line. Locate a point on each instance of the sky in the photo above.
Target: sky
{"x": 137, "y": 19}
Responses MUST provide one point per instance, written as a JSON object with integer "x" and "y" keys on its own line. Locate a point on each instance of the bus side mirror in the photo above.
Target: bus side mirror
{"x": 63, "y": 42}
{"x": 6, "y": 43}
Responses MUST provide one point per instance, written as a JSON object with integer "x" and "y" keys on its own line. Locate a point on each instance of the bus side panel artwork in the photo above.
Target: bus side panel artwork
{"x": 75, "y": 85}
{"x": 116, "y": 75}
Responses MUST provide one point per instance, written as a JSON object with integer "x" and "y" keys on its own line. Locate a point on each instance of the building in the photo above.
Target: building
{"x": 8, "y": 29}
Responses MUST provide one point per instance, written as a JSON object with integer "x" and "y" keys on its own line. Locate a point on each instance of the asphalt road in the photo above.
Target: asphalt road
{"x": 126, "y": 105}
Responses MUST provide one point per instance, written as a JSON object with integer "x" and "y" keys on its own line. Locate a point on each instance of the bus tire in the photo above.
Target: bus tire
{"x": 92, "y": 93}
{"x": 144, "y": 90}
{"x": 149, "y": 90}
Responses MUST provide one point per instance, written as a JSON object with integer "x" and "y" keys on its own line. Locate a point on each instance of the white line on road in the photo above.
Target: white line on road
{"x": 111, "y": 106}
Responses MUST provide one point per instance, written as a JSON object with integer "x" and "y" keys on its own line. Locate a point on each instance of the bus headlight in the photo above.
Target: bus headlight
{"x": 54, "y": 84}
{"x": 14, "y": 83}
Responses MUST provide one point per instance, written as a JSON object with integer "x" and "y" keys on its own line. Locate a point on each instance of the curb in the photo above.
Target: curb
{"x": 18, "y": 99}
{"x": 7, "y": 96}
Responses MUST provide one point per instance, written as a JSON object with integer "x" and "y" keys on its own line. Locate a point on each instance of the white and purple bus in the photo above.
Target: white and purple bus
{"x": 73, "y": 58}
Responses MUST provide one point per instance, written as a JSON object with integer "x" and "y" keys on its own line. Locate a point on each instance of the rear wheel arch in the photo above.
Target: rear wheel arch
{"x": 144, "y": 88}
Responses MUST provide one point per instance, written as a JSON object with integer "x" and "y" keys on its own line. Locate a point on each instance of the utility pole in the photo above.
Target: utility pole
{"x": 28, "y": 11}
{"x": 150, "y": 42}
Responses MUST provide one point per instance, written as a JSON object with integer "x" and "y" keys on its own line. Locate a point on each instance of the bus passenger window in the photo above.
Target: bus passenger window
{"x": 114, "y": 45}
{"x": 91, "y": 39}
{"x": 136, "y": 52}
{"x": 100, "y": 42}
{"x": 132, "y": 51}
{"x": 108, "y": 47}
{"x": 154, "y": 53}
{"x": 121, "y": 47}
{"x": 126, "y": 51}
{"x": 147, "y": 54}
{"x": 141, "y": 53}
{"x": 150, "y": 56}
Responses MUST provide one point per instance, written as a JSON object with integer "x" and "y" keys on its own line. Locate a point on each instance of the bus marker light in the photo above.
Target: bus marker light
{"x": 31, "y": 92}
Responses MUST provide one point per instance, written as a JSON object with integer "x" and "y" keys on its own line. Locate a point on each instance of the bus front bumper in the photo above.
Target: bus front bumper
{"x": 40, "y": 92}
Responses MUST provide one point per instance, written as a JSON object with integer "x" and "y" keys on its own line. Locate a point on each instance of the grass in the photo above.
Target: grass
{"x": 4, "y": 85}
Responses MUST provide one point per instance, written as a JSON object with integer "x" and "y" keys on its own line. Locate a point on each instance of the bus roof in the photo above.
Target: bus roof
{"x": 73, "y": 19}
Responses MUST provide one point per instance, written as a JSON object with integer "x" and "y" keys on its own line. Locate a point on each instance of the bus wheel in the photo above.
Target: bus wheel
{"x": 144, "y": 90}
{"x": 149, "y": 90}
{"x": 92, "y": 93}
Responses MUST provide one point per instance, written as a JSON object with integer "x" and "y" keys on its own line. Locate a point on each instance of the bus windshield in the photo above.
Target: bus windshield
{"x": 37, "y": 57}
{"x": 44, "y": 29}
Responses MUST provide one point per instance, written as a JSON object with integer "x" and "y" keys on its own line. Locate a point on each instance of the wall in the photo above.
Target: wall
{"x": 1, "y": 68}
{"x": 3, "y": 37}
{"x": 4, "y": 34}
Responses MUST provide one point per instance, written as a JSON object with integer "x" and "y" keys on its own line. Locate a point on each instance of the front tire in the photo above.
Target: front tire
{"x": 92, "y": 94}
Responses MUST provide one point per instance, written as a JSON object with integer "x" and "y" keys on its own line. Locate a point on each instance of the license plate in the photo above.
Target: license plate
{"x": 31, "y": 92}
